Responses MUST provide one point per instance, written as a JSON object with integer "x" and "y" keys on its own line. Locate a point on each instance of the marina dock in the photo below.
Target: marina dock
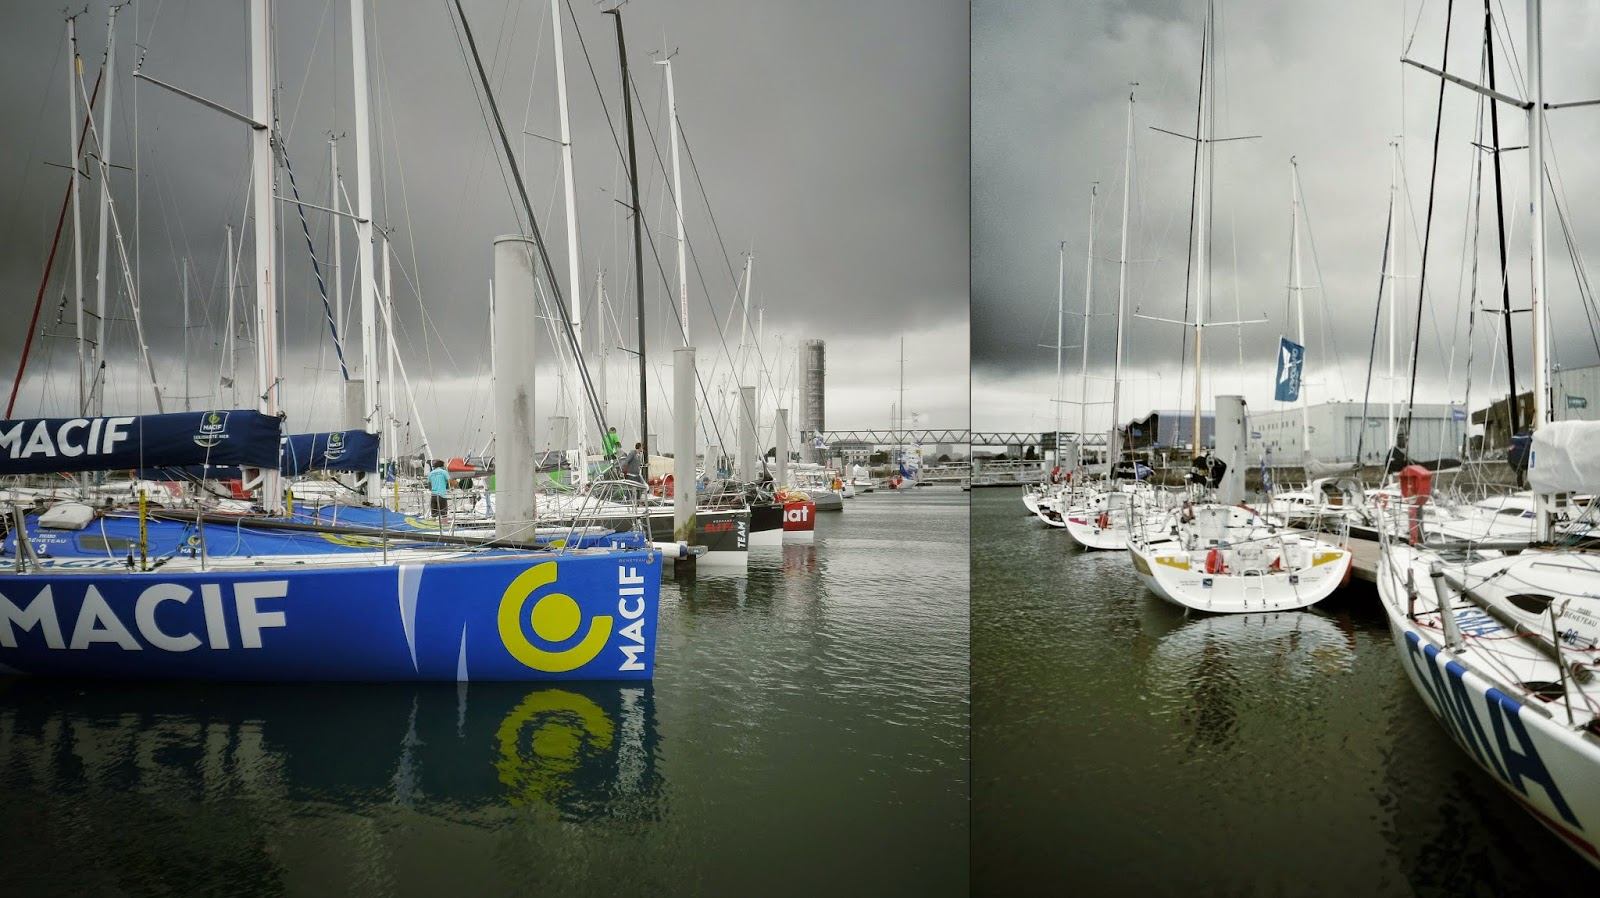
{"x": 1364, "y": 564}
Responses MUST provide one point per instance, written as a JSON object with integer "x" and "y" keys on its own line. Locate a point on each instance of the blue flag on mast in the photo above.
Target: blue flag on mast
{"x": 1291, "y": 356}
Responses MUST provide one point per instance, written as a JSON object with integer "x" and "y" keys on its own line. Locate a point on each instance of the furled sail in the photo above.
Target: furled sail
{"x": 340, "y": 450}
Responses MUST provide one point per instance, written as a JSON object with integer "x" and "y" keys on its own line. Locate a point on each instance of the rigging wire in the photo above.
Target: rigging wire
{"x": 1427, "y": 228}
{"x": 1585, "y": 291}
{"x": 544, "y": 257}
{"x": 305, "y": 76}
{"x": 1330, "y": 334}
{"x": 761, "y": 361}
{"x": 721, "y": 335}
{"x": 1377, "y": 313}
{"x": 27, "y": 338}
{"x": 1189, "y": 261}
{"x": 1471, "y": 253}
{"x": 1552, "y": 175}
{"x": 316, "y": 268}
{"x": 589, "y": 62}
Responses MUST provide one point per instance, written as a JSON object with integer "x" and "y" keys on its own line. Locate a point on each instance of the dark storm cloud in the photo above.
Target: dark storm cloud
{"x": 830, "y": 137}
{"x": 1318, "y": 82}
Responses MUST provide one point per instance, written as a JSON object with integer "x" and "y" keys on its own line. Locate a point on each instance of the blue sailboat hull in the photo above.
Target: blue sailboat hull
{"x": 515, "y": 617}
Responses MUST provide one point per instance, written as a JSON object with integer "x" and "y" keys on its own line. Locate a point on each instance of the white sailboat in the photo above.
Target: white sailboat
{"x": 1068, "y": 485}
{"x": 1035, "y": 494}
{"x": 280, "y": 600}
{"x": 1225, "y": 557}
{"x": 1503, "y": 648}
{"x": 907, "y": 461}
{"x": 1103, "y": 516}
{"x": 1219, "y": 555}
{"x": 1334, "y": 502}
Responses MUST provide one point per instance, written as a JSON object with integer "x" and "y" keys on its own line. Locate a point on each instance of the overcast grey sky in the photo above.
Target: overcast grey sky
{"x": 1321, "y": 82}
{"x": 831, "y": 137}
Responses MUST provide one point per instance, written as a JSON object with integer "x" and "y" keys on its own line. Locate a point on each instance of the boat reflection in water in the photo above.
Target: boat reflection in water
{"x": 1295, "y": 643}
{"x": 1215, "y": 666}
{"x": 799, "y": 559}
{"x": 576, "y": 752}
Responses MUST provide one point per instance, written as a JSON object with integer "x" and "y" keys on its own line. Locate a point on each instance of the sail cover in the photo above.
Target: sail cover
{"x": 340, "y": 450}
{"x": 1565, "y": 457}
{"x": 217, "y": 437}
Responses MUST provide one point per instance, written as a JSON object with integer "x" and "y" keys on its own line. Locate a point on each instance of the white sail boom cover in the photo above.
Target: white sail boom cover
{"x": 1565, "y": 458}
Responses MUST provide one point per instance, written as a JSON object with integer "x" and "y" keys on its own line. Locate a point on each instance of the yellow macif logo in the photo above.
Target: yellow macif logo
{"x": 554, "y": 617}
{"x": 544, "y": 741}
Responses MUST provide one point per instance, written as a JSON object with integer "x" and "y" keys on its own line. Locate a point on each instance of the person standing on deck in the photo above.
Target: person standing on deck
{"x": 611, "y": 443}
{"x": 439, "y": 482}
{"x": 633, "y": 465}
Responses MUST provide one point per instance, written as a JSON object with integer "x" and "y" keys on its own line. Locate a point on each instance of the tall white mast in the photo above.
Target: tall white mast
{"x": 1396, "y": 227}
{"x": 1541, "y": 332}
{"x": 492, "y": 365}
{"x": 1113, "y": 441}
{"x": 677, "y": 205}
{"x": 364, "y": 238}
{"x": 1061, "y": 280}
{"x": 232, "y": 336}
{"x": 1088, "y": 313}
{"x": 900, "y": 413}
{"x": 74, "y": 64}
{"x": 74, "y": 128}
{"x": 399, "y": 363}
{"x": 600, "y": 291}
{"x": 109, "y": 227}
{"x": 104, "y": 146}
{"x": 334, "y": 225}
{"x": 389, "y": 407}
{"x": 334, "y": 202}
{"x": 570, "y": 193}
{"x": 1202, "y": 212}
{"x": 744, "y": 319}
{"x": 261, "y": 190}
{"x": 1299, "y": 309}
{"x": 187, "y": 403}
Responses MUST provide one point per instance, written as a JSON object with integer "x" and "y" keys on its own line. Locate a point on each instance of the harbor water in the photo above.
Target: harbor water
{"x": 806, "y": 733}
{"x": 1123, "y": 747}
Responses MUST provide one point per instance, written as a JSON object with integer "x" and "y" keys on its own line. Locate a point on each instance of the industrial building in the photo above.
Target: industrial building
{"x": 1575, "y": 394}
{"x": 1337, "y": 432}
{"x": 1169, "y": 430}
{"x": 1496, "y": 425}
{"x": 852, "y": 452}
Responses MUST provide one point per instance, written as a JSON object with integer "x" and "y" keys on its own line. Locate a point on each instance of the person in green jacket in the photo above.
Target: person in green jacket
{"x": 611, "y": 442}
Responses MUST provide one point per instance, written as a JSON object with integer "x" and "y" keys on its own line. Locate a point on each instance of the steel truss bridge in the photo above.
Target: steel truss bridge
{"x": 892, "y": 437}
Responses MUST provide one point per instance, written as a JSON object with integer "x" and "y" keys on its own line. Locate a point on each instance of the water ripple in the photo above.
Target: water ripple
{"x": 816, "y": 709}
{"x": 1125, "y": 747}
